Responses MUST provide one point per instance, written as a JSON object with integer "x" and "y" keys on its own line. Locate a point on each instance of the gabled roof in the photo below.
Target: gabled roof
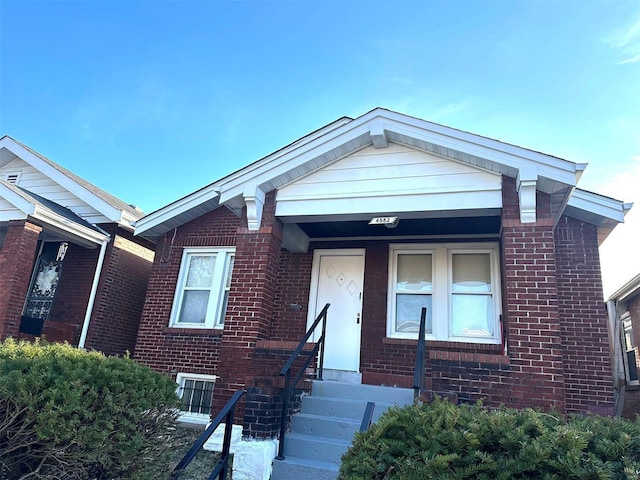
{"x": 56, "y": 217}
{"x": 111, "y": 207}
{"x": 377, "y": 128}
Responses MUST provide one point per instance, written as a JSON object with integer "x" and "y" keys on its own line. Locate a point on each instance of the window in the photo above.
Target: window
{"x": 630, "y": 349}
{"x": 203, "y": 287}
{"x": 457, "y": 284}
{"x": 196, "y": 394}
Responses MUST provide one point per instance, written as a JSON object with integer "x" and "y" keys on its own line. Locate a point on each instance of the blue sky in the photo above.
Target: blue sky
{"x": 152, "y": 100}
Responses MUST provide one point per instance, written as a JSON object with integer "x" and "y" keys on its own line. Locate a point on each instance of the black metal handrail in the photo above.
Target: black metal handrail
{"x": 418, "y": 374}
{"x": 286, "y": 371}
{"x": 367, "y": 418}
{"x": 221, "y": 467}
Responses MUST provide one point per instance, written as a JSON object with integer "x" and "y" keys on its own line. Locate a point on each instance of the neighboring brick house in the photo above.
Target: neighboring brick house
{"x": 70, "y": 267}
{"x": 624, "y": 321}
{"x": 494, "y": 240}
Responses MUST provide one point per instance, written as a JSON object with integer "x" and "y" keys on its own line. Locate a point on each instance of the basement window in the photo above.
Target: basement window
{"x": 196, "y": 394}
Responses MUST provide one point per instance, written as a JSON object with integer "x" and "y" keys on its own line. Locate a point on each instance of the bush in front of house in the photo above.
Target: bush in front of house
{"x": 444, "y": 441}
{"x": 67, "y": 413}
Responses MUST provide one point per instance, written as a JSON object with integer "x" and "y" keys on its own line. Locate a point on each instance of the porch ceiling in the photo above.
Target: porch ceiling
{"x": 411, "y": 227}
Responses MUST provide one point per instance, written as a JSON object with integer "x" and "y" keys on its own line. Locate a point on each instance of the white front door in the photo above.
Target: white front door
{"x": 338, "y": 277}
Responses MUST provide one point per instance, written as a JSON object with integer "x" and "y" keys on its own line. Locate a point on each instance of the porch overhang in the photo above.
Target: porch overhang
{"x": 57, "y": 222}
{"x": 603, "y": 212}
{"x": 380, "y": 129}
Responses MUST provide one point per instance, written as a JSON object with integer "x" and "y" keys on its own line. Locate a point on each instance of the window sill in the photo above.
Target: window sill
{"x": 194, "y": 419}
{"x": 282, "y": 345}
{"x": 446, "y": 345}
{"x": 457, "y": 351}
{"x": 216, "y": 332}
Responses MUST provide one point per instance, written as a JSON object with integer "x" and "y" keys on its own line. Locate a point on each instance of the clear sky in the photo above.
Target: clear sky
{"x": 152, "y": 100}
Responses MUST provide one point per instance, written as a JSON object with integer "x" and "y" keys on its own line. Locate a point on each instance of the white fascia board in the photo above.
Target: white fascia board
{"x": 272, "y": 167}
{"x": 176, "y": 208}
{"x": 14, "y": 198}
{"x": 57, "y": 221}
{"x": 82, "y": 193}
{"x": 548, "y": 166}
{"x": 599, "y": 205}
{"x": 629, "y": 289}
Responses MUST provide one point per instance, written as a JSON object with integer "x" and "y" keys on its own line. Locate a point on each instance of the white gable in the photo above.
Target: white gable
{"x": 37, "y": 182}
{"x": 393, "y": 179}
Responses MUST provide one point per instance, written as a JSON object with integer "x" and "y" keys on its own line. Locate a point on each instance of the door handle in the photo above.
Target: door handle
{"x": 358, "y": 318}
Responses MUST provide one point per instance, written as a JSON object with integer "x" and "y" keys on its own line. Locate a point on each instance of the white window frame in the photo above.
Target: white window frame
{"x": 190, "y": 417}
{"x": 442, "y": 254}
{"x": 215, "y": 316}
{"x": 627, "y": 325}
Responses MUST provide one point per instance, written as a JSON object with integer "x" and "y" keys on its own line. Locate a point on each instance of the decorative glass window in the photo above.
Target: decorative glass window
{"x": 196, "y": 393}
{"x": 203, "y": 288}
{"x": 457, "y": 284}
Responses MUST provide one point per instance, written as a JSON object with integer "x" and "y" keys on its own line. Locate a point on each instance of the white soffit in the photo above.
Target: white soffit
{"x": 594, "y": 208}
{"x": 344, "y": 137}
{"x": 47, "y": 168}
{"x": 627, "y": 291}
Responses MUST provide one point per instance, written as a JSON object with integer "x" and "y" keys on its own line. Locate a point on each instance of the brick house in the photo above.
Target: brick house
{"x": 624, "y": 319}
{"x": 70, "y": 267}
{"x": 380, "y": 216}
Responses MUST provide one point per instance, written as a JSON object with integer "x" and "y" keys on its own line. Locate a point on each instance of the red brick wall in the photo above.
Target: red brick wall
{"x": 530, "y": 311}
{"x": 251, "y": 303}
{"x": 121, "y": 292}
{"x": 583, "y": 319}
{"x": 16, "y": 262}
{"x": 72, "y": 295}
{"x": 294, "y": 278}
{"x": 172, "y": 350}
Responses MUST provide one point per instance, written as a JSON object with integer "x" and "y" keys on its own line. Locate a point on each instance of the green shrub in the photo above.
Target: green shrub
{"x": 67, "y": 413}
{"x": 444, "y": 441}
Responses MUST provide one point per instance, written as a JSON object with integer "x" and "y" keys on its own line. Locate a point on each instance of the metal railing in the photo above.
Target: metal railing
{"x": 289, "y": 386}
{"x": 367, "y": 418}
{"x": 221, "y": 467}
{"x": 418, "y": 374}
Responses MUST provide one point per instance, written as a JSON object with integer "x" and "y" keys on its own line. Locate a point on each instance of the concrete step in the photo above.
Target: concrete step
{"x": 323, "y": 426}
{"x": 368, "y": 393}
{"x": 295, "y": 468}
{"x": 340, "y": 407}
{"x": 315, "y": 448}
{"x": 324, "y": 429}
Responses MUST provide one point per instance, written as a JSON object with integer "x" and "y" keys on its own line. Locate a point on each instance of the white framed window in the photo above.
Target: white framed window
{"x": 458, "y": 284}
{"x": 631, "y": 367}
{"x": 202, "y": 291}
{"x": 196, "y": 393}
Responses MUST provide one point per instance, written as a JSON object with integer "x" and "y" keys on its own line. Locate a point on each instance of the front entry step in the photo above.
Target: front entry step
{"x": 323, "y": 431}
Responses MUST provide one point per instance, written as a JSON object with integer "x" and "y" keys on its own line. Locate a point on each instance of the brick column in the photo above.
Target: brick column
{"x": 530, "y": 305}
{"x": 250, "y": 308}
{"x": 16, "y": 263}
{"x": 583, "y": 319}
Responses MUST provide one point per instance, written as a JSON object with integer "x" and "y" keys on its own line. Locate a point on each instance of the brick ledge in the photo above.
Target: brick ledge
{"x": 282, "y": 345}
{"x": 216, "y": 332}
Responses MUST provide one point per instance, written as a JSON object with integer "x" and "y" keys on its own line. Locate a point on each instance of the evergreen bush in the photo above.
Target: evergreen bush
{"x": 70, "y": 414}
{"x": 444, "y": 441}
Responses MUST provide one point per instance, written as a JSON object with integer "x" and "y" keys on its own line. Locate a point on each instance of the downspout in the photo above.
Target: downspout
{"x": 92, "y": 295}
